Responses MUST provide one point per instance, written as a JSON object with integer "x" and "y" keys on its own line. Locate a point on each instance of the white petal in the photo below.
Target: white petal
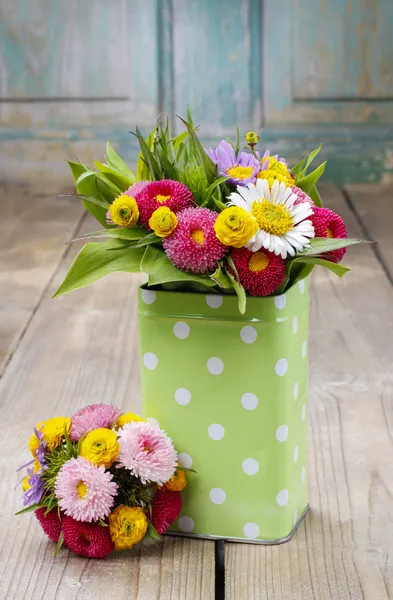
{"x": 237, "y": 200}
{"x": 256, "y": 242}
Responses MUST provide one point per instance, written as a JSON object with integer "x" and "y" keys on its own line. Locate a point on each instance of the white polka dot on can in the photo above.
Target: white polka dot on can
{"x": 153, "y": 421}
{"x": 295, "y": 324}
{"x": 296, "y": 454}
{"x": 280, "y": 301}
{"x": 295, "y": 390}
{"x": 250, "y": 466}
{"x": 216, "y": 431}
{"x": 251, "y": 530}
{"x": 217, "y": 496}
{"x": 181, "y": 330}
{"x": 214, "y": 300}
{"x": 215, "y": 366}
{"x": 282, "y": 497}
{"x": 282, "y": 433}
{"x": 304, "y": 348}
{"x": 304, "y": 412}
{"x": 249, "y": 401}
{"x": 302, "y": 286}
{"x": 186, "y": 524}
{"x": 150, "y": 361}
{"x": 148, "y": 296}
{"x": 295, "y": 516}
{"x": 281, "y": 367}
{"x": 303, "y": 475}
{"x": 185, "y": 460}
{"x": 248, "y": 334}
{"x": 183, "y": 396}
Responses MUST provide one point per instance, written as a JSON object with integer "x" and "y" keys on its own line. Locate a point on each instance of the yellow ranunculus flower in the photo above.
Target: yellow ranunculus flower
{"x": 124, "y": 211}
{"x": 235, "y": 227}
{"x": 177, "y": 482}
{"x": 252, "y": 138}
{"x": 100, "y": 447}
{"x": 276, "y": 171}
{"x": 163, "y": 221}
{"x": 26, "y": 483}
{"x": 127, "y": 418}
{"x": 53, "y": 430}
{"x": 127, "y": 526}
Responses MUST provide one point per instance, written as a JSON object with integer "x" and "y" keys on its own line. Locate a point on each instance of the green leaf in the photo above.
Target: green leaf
{"x": 205, "y": 161}
{"x": 95, "y": 261}
{"x": 237, "y": 143}
{"x": 102, "y": 523}
{"x": 152, "y": 534}
{"x": 148, "y": 156}
{"x": 30, "y": 508}
{"x": 209, "y": 192}
{"x": 306, "y": 183}
{"x": 116, "y": 190}
{"x": 320, "y": 245}
{"x": 241, "y": 294}
{"x": 179, "y": 139}
{"x": 59, "y": 543}
{"x": 221, "y": 278}
{"x": 309, "y": 160}
{"x": 89, "y": 188}
{"x": 315, "y": 197}
{"x": 297, "y": 168}
{"x": 148, "y": 239}
{"x": 134, "y": 233}
{"x": 160, "y": 269}
{"x": 142, "y": 168}
{"x": 118, "y": 164}
{"x": 310, "y": 260}
{"x": 121, "y": 181}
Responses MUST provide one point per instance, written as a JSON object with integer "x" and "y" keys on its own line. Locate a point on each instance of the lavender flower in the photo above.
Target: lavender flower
{"x": 36, "y": 490}
{"x": 241, "y": 169}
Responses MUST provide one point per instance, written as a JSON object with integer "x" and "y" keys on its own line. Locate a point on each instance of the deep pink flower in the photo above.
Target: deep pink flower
{"x": 194, "y": 246}
{"x": 166, "y": 192}
{"x": 261, "y": 272}
{"x": 94, "y": 416}
{"x": 147, "y": 452}
{"x": 166, "y": 507}
{"x": 136, "y": 188}
{"x": 87, "y": 539}
{"x": 50, "y": 523}
{"x": 85, "y": 492}
{"x": 328, "y": 224}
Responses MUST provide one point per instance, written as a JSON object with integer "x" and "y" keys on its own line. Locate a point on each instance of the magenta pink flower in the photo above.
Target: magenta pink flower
{"x": 85, "y": 492}
{"x": 147, "y": 452}
{"x": 301, "y": 196}
{"x": 194, "y": 246}
{"x": 165, "y": 192}
{"x": 94, "y": 416}
{"x": 136, "y": 188}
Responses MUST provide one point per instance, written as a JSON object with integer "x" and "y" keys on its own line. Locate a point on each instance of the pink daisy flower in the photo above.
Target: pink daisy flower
{"x": 94, "y": 416}
{"x": 301, "y": 196}
{"x": 194, "y": 246}
{"x": 147, "y": 452}
{"x": 166, "y": 192}
{"x": 166, "y": 507}
{"x": 132, "y": 191}
{"x": 328, "y": 224}
{"x": 85, "y": 492}
{"x": 50, "y": 523}
{"x": 261, "y": 272}
{"x": 87, "y": 539}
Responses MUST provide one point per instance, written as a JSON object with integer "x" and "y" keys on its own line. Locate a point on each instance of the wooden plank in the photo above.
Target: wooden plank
{"x": 35, "y": 227}
{"x": 79, "y": 349}
{"x": 343, "y": 550}
{"x": 374, "y": 206}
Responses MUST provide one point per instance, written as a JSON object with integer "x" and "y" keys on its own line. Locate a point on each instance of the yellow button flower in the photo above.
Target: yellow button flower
{"x": 276, "y": 171}
{"x": 53, "y": 430}
{"x": 252, "y": 138}
{"x": 177, "y": 482}
{"x": 163, "y": 221}
{"x": 124, "y": 211}
{"x": 235, "y": 227}
{"x": 127, "y": 418}
{"x": 100, "y": 447}
{"x": 127, "y": 526}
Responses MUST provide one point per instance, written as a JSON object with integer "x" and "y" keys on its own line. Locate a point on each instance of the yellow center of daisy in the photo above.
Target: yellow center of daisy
{"x": 272, "y": 218}
{"x": 81, "y": 489}
{"x": 329, "y": 233}
{"x": 258, "y": 262}
{"x": 162, "y": 199}
{"x": 238, "y": 172}
{"x": 198, "y": 236}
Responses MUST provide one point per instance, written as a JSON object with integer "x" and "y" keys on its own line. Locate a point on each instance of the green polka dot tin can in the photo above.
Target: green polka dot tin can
{"x": 231, "y": 390}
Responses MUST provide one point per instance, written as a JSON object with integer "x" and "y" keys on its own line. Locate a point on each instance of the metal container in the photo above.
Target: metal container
{"x": 231, "y": 391}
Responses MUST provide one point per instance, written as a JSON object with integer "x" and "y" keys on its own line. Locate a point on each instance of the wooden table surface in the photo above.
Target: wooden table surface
{"x": 58, "y": 355}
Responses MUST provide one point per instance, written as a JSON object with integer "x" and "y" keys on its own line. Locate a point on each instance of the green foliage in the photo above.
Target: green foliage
{"x": 193, "y": 176}
{"x": 55, "y": 460}
{"x": 97, "y": 259}
{"x": 320, "y": 245}
{"x": 59, "y": 544}
{"x": 152, "y": 535}
{"x": 221, "y": 278}
{"x": 131, "y": 491}
{"x": 134, "y": 233}
{"x": 142, "y": 168}
{"x": 159, "y": 269}
{"x": 94, "y": 188}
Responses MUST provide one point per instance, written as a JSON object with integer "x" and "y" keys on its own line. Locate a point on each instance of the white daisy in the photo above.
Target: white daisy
{"x": 283, "y": 228}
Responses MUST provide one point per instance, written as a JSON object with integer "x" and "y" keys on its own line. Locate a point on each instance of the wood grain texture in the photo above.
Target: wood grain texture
{"x": 343, "y": 550}
{"x": 35, "y": 228}
{"x": 80, "y": 349}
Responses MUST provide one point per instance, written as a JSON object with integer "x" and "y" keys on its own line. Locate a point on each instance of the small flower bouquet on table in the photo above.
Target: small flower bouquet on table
{"x": 227, "y": 238}
{"x": 102, "y": 481}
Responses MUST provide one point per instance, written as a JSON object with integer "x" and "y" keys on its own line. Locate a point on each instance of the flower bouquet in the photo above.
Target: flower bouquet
{"x": 102, "y": 481}
{"x": 227, "y": 238}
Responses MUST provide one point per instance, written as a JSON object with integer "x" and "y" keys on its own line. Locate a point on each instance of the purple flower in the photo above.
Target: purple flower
{"x": 41, "y": 448}
{"x": 241, "y": 169}
{"x": 36, "y": 490}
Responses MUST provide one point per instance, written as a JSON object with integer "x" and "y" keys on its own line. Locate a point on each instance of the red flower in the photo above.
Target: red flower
{"x": 328, "y": 224}
{"x": 173, "y": 194}
{"x": 166, "y": 507}
{"x": 87, "y": 539}
{"x": 261, "y": 272}
{"x": 50, "y": 523}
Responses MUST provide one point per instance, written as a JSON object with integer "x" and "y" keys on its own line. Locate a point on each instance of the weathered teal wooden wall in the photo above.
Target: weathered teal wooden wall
{"x": 74, "y": 72}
